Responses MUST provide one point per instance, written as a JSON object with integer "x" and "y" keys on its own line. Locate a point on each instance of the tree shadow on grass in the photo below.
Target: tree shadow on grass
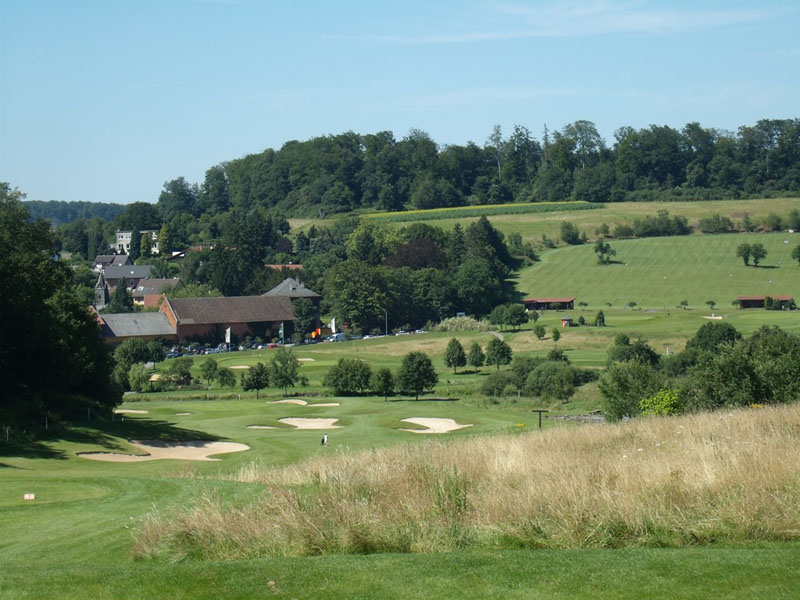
{"x": 107, "y": 434}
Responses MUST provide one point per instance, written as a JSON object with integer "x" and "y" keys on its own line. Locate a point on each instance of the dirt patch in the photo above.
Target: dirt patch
{"x": 289, "y": 401}
{"x": 129, "y": 411}
{"x": 434, "y": 425}
{"x": 157, "y": 450}
{"x": 310, "y": 423}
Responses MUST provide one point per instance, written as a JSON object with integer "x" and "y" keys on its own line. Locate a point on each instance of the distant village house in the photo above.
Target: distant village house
{"x": 123, "y": 240}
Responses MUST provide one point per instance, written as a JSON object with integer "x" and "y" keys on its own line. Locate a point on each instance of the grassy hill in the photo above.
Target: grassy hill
{"x": 531, "y": 225}
{"x": 661, "y": 272}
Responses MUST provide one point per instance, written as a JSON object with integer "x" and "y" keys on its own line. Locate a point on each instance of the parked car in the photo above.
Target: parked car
{"x": 336, "y": 337}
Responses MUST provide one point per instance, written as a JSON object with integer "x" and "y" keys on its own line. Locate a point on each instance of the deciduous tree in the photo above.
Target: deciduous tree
{"x": 758, "y": 253}
{"x": 383, "y": 382}
{"x": 255, "y": 378}
{"x": 454, "y": 355}
{"x": 498, "y": 353}
{"x": 348, "y": 377}
{"x": 476, "y": 356}
{"x": 209, "y": 370}
{"x": 743, "y": 251}
{"x": 283, "y": 370}
{"x": 416, "y": 374}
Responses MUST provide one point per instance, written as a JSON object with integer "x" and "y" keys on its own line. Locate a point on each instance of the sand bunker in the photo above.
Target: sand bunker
{"x": 306, "y": 359}
{"x": 193, "y": 450}
{"x": 716, "y": 318}
{"x": 261, "y": 427}
{"x": 240, "y": 367}
{"x": 434, "y": 425}
{"x": 302, "y": 402}
{"x": 182, "y": 414}
{"x": 129, "y": 411}
{"x": 311, "y": 423}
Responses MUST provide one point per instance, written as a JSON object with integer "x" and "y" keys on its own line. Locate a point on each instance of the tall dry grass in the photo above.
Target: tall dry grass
{"x": 660, "y": 482}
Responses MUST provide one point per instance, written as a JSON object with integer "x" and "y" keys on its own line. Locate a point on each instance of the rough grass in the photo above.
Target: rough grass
{"x": 732, "y": 477}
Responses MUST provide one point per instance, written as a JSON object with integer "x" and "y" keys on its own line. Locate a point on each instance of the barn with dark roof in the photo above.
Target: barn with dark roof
{"x": 209, "y": 318}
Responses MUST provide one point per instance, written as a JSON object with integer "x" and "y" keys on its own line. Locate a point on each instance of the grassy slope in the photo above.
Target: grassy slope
{"x": 532, "y": 226}
{"x": 661, "y": 272}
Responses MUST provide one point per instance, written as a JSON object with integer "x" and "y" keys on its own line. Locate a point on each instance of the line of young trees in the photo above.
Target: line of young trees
{"x": 351, "y": 376}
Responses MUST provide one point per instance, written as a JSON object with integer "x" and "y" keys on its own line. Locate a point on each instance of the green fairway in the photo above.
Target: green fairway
{"x": 661, "y": 272}
{"x": 693, "y": 574}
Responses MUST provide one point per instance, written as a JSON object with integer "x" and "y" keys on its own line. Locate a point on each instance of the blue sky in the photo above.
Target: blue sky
{"x": 106, "y": 100}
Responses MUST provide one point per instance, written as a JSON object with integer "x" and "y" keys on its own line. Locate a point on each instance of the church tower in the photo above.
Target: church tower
{"x": 100, "y": 293}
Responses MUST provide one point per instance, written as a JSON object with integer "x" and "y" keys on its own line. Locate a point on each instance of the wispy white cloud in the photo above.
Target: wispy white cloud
{"x": 571, "y": 18}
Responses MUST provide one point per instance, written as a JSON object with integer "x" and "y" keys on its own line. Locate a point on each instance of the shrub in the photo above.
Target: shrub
{"x": 664, "y": 403}
{"x": 624, "y": 384}
{"x": 348, "y": 377}
{"x": 552, "y": 379}
{"x": 496, "y": 382}
{"x": 462, "y": 324}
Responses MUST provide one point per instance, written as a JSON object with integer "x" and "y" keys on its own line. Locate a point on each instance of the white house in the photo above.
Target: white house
{"x": 123, "y": 240}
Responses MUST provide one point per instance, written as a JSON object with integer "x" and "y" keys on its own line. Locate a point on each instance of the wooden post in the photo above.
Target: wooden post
{"x": 540, "y": 411}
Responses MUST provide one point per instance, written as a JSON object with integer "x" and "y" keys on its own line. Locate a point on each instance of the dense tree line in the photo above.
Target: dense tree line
{"x": 340, "y": 173}
{"x": 59, "y": 212}
{"x": 55, "y": 365}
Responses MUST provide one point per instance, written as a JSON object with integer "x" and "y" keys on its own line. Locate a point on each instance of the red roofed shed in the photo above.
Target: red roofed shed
{"x": 760, "y": 301}
{"x": 545, "y": 303}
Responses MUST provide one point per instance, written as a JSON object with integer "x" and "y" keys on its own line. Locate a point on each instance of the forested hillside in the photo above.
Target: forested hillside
{"x": 340, "y": 173}
{"x": 59, "y": 212}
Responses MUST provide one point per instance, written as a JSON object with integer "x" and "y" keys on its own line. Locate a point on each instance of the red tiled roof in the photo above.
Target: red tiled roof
{"x": 236, "y": 309}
